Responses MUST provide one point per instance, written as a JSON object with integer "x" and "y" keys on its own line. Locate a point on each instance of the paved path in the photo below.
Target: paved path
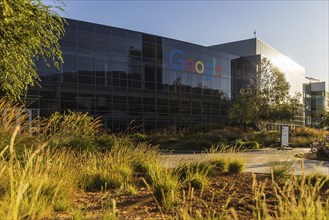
{"x": 258, "y": 161}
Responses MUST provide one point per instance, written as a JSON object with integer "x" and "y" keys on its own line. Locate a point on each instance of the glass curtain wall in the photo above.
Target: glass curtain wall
{"x": 127, "y": 77}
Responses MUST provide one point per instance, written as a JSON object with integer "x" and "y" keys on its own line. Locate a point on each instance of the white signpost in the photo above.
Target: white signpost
{"x": 284, "y": 135}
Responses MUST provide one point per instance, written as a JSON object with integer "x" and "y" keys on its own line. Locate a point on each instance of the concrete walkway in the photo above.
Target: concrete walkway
{"x": 258, "y": 161}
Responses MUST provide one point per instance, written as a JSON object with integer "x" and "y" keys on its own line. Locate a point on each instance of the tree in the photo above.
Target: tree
{"x": 29, "y": 30}
{"x": 267, "y": 100}
{"x": 325, "y": 119}
{"x": 243, "y": 107}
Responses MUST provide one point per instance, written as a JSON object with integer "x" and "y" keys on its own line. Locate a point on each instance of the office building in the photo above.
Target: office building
{"x": 126, "y": 76}
{"x": 316, "y": 99}
{"x": 150, "y": 81}
{"x": 245, "y": 67}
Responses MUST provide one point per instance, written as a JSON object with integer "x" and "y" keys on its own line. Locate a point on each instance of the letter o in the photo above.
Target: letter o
{"x": 189, "y": 65}
{"x": 197, "y": 64}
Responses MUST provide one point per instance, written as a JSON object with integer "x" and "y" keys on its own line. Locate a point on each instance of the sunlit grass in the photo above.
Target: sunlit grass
{"x": 39, "y": 184}
{"x": 297, "y": 198}
{"x": 281, "y": 168}
{"x": 195, "y": 174}
{"x": 227, "y": 158}
{"x": 38, "y": 180}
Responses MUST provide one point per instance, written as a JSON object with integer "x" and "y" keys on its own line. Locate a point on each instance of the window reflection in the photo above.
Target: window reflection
{"x": 125, "y": 75}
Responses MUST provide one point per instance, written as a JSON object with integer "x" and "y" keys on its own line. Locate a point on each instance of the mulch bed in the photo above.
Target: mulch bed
{"x": 312, "y": 156}
{"x": 230, "y": 191}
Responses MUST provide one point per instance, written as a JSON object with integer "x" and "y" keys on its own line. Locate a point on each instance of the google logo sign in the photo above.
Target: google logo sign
{"x": 178, "y": 62}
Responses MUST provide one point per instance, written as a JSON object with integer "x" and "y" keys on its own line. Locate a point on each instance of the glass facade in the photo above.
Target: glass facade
{"x": 244, "y": 71}
{"x": 130, "y": 77}
{"x": 244, "y": 68}
{"x": 316, "y": 99}
{"x": 294, "y": 73}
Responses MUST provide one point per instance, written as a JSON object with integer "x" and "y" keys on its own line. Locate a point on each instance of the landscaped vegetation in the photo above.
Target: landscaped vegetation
{"x": 202, "y": 137}
{"x": 67, "y": 167}
{"x": 265, "y": 99}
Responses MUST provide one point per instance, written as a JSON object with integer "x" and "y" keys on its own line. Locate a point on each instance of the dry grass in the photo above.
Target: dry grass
{"x": 71, "y": 123}
{"x": 12, "y": 115}
{"x": 41, "y": 181}
{"x": 39, "y": 184}
{"x": 71, "y": 130}
{"x": 309, "y": 132}
{"x": 226, "y": 158}
{"x": 296, "y": 199}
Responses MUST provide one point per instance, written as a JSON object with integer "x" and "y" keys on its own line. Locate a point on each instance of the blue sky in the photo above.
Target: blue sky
{"x": 298, "y": 29}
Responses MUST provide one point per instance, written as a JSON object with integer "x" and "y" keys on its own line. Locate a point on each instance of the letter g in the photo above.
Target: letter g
{"x": 177, "y": 64}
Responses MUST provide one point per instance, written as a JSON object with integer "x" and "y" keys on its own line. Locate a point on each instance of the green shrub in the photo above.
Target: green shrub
{"x": 146, "y": 159}
{"x": 113, "y": 178}
{"x": 165, "y": 185}
{"x": 221, "y": 158}
{"x": 272, "y": 133}
{"x": 104, "y": 143}
{"x": 271, "y": 141}
{"x": 230, "y": 135}
{"x": 219, "y": 163}
{"x": 118, "y": 167}
{"x": 204, "y": 128}
{"x": 198, "y": 141}
{"x": 323, "y": 151}
{"x": 321, "y": 147}
{"x": 300, "y": 141}
{"x": 212, "y": 136}
{"x": 308, "y": 132}
{"x": 73, "y": 130}
{"x": 236, "y": 166}
{"x": 113, "y": 169}
{"x": 73, "y": 142}
{"x": 199, "y": 137}
{"x": 23, "y": 142}
{"x": 265, "y": 139}
{"x": 187, "y": 170}
{"x": 164, "y": 141}
{"x": 198, "y": 180}
{"x": 248, "y": 145}
{"x": 138, "y": 137}
{"x": 234, "y": 129}
{"x": 281, "y": 168}
{"x": 92, "y": 182}
{"x": 195, "y": 143}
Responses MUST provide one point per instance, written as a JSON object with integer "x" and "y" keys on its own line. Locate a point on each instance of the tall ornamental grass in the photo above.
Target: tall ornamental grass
{"x": 73, "y": 130}
{"x": 106, "y": 171}
{"x": 195, "y": 174}
{"x": 281, "y": 168}
{"x": 36, "y": 185}
{"x": 11, "y": 116}
{"x": 226, "y": 158}
{"x": 298, "y": 198}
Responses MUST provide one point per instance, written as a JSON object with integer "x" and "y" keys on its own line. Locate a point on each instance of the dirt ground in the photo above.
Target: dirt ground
{"x": 230, "y": 191}
{"x": 311, "y": 156}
